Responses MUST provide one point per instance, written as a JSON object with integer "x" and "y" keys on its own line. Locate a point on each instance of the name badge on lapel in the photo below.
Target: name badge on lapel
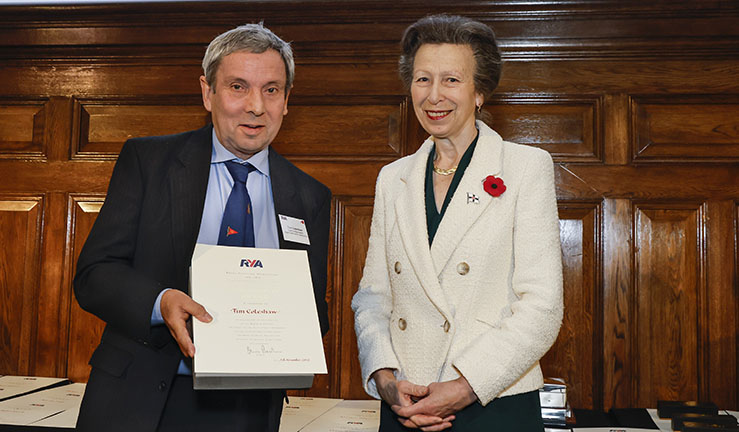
{"x": 293, "y": 229}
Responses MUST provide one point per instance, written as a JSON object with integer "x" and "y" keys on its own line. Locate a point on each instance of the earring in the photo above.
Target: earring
{"x": 479, "y": 108}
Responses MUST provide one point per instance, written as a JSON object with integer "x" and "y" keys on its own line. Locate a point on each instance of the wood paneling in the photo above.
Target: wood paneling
{"x": 669, "y": 289}
{"x": 656, "y": 181}
{"x": 576, "y": 352}
{"x": 721, "y": 343}
{"x": 702, "y": 129}
{"x": 20, "y": 235}
{"x": 101, "y": 127}
{"x": 21, "y": 129}
{"x": 579, "y": 76}
{"x": 636, "y": 100}
{"x": 617, "y": 287}
{"x": 85, "y": 329}
{"x": 354, "y": 224}
{"x": 568, "y": 127}
{"x": 368, "y": 128}
{"x": 52, "y": 301}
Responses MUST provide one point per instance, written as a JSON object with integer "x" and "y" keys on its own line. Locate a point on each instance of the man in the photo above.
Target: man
{"x": 166, "y": 194}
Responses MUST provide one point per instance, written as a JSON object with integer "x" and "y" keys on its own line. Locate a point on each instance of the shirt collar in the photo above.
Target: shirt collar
{"x": 259, "y": 160}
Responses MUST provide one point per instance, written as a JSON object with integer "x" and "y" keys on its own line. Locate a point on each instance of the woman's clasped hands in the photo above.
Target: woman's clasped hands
{"x": 428, "y": 408}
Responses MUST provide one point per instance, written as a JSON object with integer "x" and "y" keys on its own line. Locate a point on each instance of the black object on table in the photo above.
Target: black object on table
{"x": 680, "y": 419}
{"x": 624, "y": 417}
{"x": 668, "y": 409}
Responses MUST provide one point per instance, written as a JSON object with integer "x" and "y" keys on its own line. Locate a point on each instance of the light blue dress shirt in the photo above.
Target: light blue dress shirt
{"x": 220, "y": 183}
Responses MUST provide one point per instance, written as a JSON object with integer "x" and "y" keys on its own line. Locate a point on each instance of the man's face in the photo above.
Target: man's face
{"x": 247, "y": 100}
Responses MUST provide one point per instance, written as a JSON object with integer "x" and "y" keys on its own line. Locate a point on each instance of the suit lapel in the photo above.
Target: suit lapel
{"x": 410, "y": 211}
{"x": 461, "y": 215}
{"x": 287, "y": 202}
{"x": 188, "y": 183}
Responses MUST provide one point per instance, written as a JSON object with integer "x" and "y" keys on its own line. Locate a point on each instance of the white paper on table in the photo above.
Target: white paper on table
{"x": 15, "y": 385}
{"x": 348, "y": 416}
{"x": 303, "y": 410}
{"x": 25, "y": 410}
{"x": 662, "y": 424}
{"x": 66, "y": 419}
{"x": 264, "y": 314}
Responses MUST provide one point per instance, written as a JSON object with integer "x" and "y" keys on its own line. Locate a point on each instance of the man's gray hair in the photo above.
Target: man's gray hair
{"x": 255, "y": 38}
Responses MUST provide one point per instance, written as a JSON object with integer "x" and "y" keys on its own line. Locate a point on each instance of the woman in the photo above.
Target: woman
{"x": 462, "y": 287}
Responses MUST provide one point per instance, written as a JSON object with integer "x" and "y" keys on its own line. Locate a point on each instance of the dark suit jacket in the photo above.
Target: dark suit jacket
{"x": 141, "y": 243}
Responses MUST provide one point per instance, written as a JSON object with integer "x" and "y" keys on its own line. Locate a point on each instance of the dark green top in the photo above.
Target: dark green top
{"x": 433, "y": 217}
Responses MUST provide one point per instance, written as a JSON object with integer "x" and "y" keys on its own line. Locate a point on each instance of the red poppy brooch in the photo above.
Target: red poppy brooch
{"x": 494, "y": 186}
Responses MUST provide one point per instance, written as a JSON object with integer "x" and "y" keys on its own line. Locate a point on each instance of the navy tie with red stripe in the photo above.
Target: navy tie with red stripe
{"x": 237, "y": 225}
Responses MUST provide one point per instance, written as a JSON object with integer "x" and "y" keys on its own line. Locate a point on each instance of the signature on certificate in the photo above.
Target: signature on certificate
{"x": 261, "y": 350}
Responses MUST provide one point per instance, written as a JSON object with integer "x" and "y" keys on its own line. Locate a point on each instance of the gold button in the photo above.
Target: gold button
{"x": 397, "y": 267}
{"x": 446, "y": 326}
{"x": 401, "y": 324}
{"x": 463, "y": 268}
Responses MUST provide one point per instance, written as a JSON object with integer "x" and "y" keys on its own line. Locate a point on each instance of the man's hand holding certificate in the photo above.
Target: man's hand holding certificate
{"x": 265, "y": 331}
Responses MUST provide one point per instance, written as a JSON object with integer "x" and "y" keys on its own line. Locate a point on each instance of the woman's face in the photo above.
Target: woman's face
{"x": 443, "y": 90}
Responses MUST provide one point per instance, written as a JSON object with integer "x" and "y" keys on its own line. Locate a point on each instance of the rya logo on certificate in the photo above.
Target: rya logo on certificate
{"x": 251, "y": 263}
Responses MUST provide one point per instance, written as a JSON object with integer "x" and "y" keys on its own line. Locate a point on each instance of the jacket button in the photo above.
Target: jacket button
{"x": 397, "y": 267}
{"x": 446, "y": 326}
{"x": 463, "y": 268}
{"x": 162, "y": 386}
{"x": 402, "y": 324}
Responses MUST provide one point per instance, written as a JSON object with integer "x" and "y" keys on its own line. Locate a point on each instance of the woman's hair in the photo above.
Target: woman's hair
{"x": 453, "y": 29}
{"x": 254, "y": 38}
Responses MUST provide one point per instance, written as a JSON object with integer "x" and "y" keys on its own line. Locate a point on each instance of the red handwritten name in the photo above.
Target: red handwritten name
{"x": 253, "y": 311}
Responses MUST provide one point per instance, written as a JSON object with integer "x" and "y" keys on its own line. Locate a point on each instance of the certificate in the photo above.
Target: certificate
{"x": 31, "y": 408}
{"x": 64, "y": 420}
{"x": 348, "y": 416}
{"x": 302, "y": 410}
{"x": 12, "y": 386}
{"x": 265, "y": 332}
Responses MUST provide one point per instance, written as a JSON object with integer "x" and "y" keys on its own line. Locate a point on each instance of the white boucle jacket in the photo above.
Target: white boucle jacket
{"x": 485, "y": 301}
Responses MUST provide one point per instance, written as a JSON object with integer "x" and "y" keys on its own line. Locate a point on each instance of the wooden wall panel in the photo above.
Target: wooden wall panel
{"x": 101, "y": 127}
{"x": 367, "y": 128}
{"x": 20, "y": 235}
{"x": 721, "y": 342}
{"x": 701, "y": 129}
{"x": 666, "y": 76}
{"x": 52, "y": 299}
{"x": 576, "y": 352}
{"x": 670, "y": 290}
{"x": 355, "y": 218}
{"x": 87, "y": 80}
{"x": 568, "y": 127}
{"x": 85, "y": 329}
{"x": 618, "y": 248}
{"x": 344, "y": 177}
{"x": 21, "y": 129}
